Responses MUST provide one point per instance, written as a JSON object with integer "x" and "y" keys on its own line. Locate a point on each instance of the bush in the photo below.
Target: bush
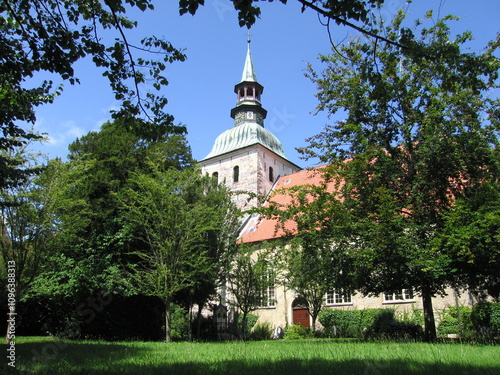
{"x": 386, "y": 326}
{"x": 485, "y": 318}
{"x": 457, "y": 320}
{"x": 371, "y": 323}
{"x": 415, "y": 316}
{"x": 296, "y": 331}
{"x": 251, "y": 320}
{"x": 347, "y": 323}
{"x": 179, "y": 323}
{"x": 261, "y": 331}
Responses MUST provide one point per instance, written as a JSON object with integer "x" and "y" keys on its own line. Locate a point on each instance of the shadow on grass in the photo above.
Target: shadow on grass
{"x": 80, "y": 358}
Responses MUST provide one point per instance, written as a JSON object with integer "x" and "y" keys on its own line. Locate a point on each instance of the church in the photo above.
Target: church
{"x": 248, "y": 157}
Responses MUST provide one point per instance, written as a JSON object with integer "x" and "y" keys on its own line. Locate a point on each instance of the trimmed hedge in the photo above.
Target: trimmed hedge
{"x": 457, "y": 320}
{"x": 347, "y": 323}
{"x": 367, "y": 323}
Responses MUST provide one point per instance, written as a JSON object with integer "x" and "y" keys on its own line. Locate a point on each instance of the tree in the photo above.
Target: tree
{"x": 314, "y": 255}
{"x": 51, "y": 36}
{"x": 25, "y": 229}
{"x": 91, "y": 249}
{"x": 471, "y": 238}
{"x": 342, "y": 12}
{"x": 249, "y": 277}
{"x": 175, "y": 215}
{"x": 219, "y": 242}
{"x": 420, "y": 133}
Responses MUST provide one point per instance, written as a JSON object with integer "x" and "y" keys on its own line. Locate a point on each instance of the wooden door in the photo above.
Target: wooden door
{"x": 301, "y": 316}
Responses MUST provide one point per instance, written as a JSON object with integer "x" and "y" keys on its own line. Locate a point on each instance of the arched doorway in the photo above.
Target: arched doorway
{"x": 300, "y": 313}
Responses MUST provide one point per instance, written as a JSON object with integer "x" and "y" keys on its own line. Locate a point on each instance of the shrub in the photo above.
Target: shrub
{"x": 347, "y": 323}
{"x": 261, "y": 331}
{"x": 339, "y": 323}
{"x": 179, "y": 323}
{"x": 296, "y": 331}
{"x": 251, "y": 320}
{"x": 415, "y": 316}
{"x": 448, "y": 325}
{"x": 386, "y": 326}
{"x": 455, "y": 319}
{"x": 495, "y": 318}
{"x": 485, "y": 318}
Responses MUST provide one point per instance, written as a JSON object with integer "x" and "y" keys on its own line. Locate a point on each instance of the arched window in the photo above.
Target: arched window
{"x": 215, "y": 176}
{"x": 236, "y": 173}
{"x": 271, "y": 174}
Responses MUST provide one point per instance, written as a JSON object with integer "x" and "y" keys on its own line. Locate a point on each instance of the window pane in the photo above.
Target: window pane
{"x": 236, "y": 174}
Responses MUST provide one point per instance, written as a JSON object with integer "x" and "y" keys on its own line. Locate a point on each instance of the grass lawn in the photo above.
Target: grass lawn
{"x": 263, "y": 357}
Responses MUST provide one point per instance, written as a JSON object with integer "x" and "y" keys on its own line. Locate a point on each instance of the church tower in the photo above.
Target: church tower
{"x": 248, "y": 157}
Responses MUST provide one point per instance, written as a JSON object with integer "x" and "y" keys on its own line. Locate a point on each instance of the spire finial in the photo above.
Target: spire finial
{"x": 248, "y": 70}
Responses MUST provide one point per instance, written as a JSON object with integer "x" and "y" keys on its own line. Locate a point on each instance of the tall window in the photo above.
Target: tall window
{"x": 337, "y": 297}
{"x": 215, "y": 176}
{"x": 400, "y": 296}
{"x": 236, "y": 173}
{"x": 268, "y": 292}
{"x": 271, "y": 174}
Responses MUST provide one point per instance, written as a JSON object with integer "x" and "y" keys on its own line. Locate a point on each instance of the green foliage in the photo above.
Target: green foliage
{"x": 248, "y": 279}
{"x": 455, "y": 320}
{"x": 261, "y": 331}
{"x": 417, "y": 137}
{"x": 495, "y": 318}
{"x": 385, "y": 326}
{"x": 92, "y": 247}
{"x": 371, "y": 323}
{"x": 186, "y": 222}
{"x": 486, "y": 318}
{"x": 179, "y": 320}
{"x": 415, "y": 316}
{"x": 348, "y": 323}
{"x": 471, "y": 239}
{"x": 52, "y": 37}
{"x": 295, "y": 332}
{"x": 251, "y": 319}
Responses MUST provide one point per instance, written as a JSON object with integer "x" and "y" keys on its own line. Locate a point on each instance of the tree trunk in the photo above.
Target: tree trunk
{"x": 244, "y": 325}
{"x": 167, "y": 320}
{"x": 430, "y": 324}
{"x": 198, "y": 322}
{"x": 313, "y": 317}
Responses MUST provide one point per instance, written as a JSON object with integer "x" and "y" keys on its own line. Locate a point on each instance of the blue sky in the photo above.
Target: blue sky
{"x": 200, "y": 91}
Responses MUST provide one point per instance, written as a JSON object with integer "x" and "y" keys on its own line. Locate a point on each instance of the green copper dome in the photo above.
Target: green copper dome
{"x": 243, "y": 135}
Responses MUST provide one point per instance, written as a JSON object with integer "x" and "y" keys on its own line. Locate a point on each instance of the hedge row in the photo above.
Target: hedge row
{"x": 481, "y": 320}
{"x": 368, "y": 323}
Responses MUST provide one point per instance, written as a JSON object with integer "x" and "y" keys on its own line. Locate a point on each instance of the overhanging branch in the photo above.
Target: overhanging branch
{"x": 347, "y": 23}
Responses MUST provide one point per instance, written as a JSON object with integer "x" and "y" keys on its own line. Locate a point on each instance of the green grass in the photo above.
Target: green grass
{"x": 265, "y": 357}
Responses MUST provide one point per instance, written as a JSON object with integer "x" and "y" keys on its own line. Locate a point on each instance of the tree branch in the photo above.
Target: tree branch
{"x": 347, "y": 23}
{"x": 132, "y": 62}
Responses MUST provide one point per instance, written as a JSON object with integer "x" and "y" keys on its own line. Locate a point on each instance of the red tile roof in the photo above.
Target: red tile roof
{"x": 260, "y": 228}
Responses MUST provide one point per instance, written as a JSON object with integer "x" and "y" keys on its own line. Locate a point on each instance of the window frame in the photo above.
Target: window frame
{"x": 401, "y": 296}
{"x": 334, "y": 298}
{"x": 236, "y": 173}
{"x": 267, "y": 296}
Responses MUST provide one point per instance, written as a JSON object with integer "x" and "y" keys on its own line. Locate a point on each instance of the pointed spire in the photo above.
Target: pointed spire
{"x": 248, "y": 70}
